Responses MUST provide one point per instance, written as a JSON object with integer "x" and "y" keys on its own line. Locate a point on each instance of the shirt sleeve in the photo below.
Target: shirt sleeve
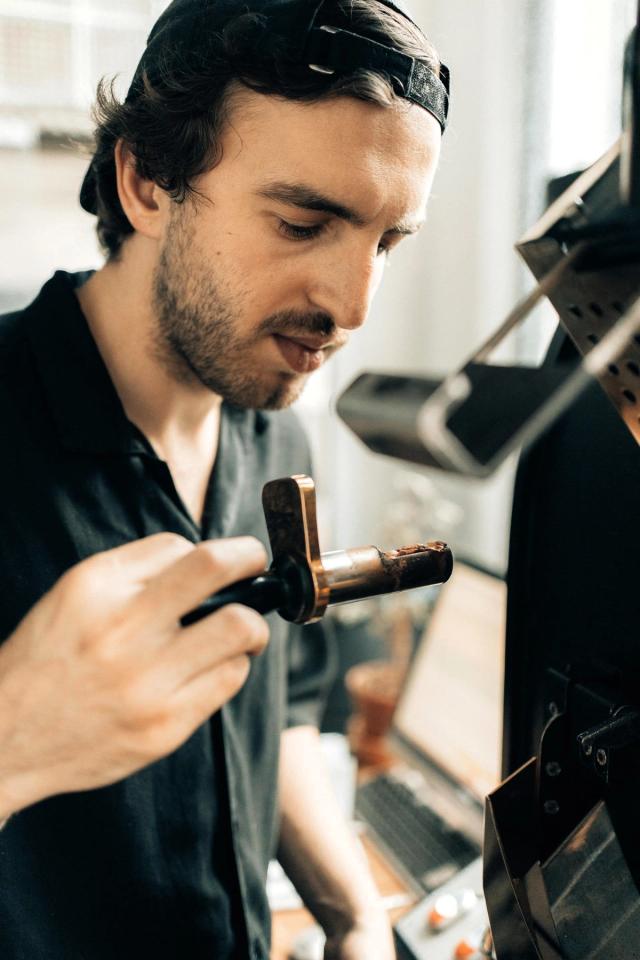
{"x": 312, "y": 665}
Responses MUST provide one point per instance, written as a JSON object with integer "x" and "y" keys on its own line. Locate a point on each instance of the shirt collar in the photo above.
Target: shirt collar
{"x": 81, "y": 397}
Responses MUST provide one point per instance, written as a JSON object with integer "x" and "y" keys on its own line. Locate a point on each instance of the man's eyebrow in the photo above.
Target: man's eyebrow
{"x": 307, "y": 198}
{"x": 300, "y": 195}
{"x": 406, "y": 228}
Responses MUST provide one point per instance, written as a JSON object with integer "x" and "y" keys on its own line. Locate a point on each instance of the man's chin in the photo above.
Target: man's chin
{"x": 265, "y": 396}
{"x": 283, "y": 395}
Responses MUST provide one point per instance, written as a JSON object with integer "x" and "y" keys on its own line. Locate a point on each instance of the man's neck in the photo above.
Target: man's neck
{"x": 180, "y": 420}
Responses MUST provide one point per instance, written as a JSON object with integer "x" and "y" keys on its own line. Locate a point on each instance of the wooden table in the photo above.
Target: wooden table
{"x": 288, "y": 923}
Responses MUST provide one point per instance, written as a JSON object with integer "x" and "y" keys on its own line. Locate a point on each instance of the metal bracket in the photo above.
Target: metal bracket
{"x": 598, "y": 743}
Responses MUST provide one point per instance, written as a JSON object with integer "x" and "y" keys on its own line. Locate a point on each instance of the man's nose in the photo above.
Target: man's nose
{"x": 345, "y": 286}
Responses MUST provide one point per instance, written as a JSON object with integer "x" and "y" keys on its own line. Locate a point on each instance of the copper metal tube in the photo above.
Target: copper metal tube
{"x": 302, "y": 582}
{"x": 368, "y": 571}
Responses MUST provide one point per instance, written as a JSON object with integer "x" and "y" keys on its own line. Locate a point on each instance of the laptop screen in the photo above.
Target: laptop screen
{"x": 450, "y": 710}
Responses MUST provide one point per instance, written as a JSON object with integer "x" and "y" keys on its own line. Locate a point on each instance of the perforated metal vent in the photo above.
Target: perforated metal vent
{"x": 590, "y": 304}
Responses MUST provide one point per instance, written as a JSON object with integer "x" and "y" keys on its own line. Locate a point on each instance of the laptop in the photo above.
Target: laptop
{"x": 426, "y": 811}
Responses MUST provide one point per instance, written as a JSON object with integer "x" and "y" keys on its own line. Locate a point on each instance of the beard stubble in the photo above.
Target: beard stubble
{"x": 198, "y": 337}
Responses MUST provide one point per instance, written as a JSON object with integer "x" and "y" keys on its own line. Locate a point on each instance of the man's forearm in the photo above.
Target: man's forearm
{"x": 319, "y": 851}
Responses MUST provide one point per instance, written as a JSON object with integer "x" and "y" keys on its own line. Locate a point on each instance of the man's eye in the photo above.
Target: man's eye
{"x": 295, "y": 232}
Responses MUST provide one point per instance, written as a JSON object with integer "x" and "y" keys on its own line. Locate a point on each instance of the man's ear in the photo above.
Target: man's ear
{"x": 143, "y": 201}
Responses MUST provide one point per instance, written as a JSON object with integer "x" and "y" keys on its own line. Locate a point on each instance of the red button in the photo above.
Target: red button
{"x": 464, "y": 950}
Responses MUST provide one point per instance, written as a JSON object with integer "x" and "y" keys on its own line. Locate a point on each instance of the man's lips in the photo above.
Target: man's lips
{"x": 304, "y": 354}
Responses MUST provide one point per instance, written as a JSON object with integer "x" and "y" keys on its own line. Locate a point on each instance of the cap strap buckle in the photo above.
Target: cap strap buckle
{"x": 333, "y": 50}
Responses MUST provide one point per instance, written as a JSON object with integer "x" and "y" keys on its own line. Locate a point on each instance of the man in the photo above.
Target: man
{"x": 267, "y": 159}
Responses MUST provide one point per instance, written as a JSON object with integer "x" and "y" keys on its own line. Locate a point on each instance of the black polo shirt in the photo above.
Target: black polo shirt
{"x": 171, "y": 862}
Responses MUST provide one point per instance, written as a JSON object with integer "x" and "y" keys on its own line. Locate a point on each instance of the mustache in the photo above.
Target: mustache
{"x": 290, "y": 323}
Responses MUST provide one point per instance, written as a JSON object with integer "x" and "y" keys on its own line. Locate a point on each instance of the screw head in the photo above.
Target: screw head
{"x": 553, "y": 768}
{"x": 551, "y": 807}
{"x": 601, "y": 757}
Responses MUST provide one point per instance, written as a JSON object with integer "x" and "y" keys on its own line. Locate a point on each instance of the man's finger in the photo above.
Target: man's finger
{"x": 228, "y": 633}
{"x": 143, "y": 559}
{"x": 199, "y": 699}
{"x": 203, "y": 571}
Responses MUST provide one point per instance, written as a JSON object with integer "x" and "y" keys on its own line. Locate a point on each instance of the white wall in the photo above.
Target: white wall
{"x": 42, "y": 227}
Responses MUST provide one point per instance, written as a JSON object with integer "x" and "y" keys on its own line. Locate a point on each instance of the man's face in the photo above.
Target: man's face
{"x": 259, "y": 282}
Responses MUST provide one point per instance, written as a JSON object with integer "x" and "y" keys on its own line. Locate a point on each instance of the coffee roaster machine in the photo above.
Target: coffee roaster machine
{"x": 561, "y": 865}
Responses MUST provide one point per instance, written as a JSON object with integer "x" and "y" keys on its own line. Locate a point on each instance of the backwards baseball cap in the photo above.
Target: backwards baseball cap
{"x": 302, "y": 32}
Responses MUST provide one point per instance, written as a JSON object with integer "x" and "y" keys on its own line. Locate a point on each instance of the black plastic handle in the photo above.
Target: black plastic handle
{"x": 263, "y": 593}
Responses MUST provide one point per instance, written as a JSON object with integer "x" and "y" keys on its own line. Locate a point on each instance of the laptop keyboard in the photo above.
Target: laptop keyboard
{"x": 429, "y": 851}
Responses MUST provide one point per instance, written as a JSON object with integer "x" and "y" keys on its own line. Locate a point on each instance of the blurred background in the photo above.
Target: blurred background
{"x": 535, "y": 94}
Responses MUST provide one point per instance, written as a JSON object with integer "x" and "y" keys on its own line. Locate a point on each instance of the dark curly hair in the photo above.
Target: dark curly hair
{"x": 173, "y": 126}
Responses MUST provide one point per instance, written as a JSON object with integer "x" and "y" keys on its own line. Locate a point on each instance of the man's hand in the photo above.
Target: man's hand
{"x": 370, "y": 938}
{"x": 100, "y": 679}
